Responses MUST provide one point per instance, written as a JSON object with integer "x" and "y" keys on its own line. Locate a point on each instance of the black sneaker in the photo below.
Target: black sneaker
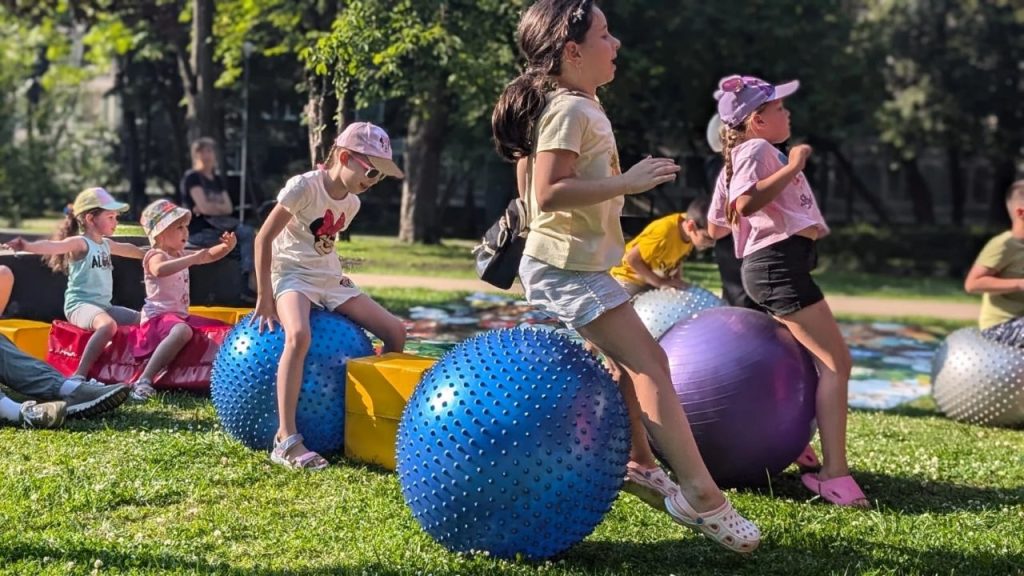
{"x": 42, "y": 415}
{"x": 91, "y": 398}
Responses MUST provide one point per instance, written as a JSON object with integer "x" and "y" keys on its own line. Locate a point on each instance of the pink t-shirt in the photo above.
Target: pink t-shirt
{"x": 793, "y": 210}
{"x": 166, "y": 295}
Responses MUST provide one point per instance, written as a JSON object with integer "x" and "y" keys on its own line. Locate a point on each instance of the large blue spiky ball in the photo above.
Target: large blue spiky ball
{"x": 514, "y": 443}
{"x": 244, "y": 387}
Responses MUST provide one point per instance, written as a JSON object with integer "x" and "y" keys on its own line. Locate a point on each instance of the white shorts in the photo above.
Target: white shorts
{"x": 327, "y": 292}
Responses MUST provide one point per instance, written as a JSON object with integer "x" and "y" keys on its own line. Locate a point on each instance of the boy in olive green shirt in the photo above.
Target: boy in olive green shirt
{"x": 998, "y": 275}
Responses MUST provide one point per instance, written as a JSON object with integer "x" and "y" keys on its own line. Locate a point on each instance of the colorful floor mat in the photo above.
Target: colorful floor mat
{"x": 892, "y": 362}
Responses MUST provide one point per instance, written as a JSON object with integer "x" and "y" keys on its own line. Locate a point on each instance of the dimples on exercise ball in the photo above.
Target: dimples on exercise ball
{"x": 244, "y": 381}
{"x": 979, "y": 381}
{"x": 514, "y": 443}
{"x": 660, "y": 310}
{"x": 748, "y": 389}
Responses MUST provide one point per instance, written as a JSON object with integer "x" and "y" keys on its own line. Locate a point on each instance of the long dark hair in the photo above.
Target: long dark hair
{"x": 70, "y": 226}
{"x": 542, "y": 34}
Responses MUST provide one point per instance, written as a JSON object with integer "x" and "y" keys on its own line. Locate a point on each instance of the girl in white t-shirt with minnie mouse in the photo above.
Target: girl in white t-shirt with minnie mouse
{"x": 297, "y": 268}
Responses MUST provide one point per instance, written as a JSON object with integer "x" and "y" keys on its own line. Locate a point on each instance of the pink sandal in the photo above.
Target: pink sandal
{"x": 724, "y": 524}
{"x": 841, "y": 491}
{"x": 654, "y": 479}
{"x": 308, "y": 460}
{"x": 808, "y": 461}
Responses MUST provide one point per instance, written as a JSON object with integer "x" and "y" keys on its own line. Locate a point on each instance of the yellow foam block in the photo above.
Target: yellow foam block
{"x": 226, "y": 314}
{"x": 31, "y": 337}
{"x": 376, "y": 391}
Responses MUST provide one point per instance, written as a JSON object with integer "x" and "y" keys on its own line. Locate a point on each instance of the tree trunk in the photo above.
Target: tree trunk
{"x": 956, "y": 183}
{"x": 424, "y": 144}
{"x": 323, "y": 115}
{"x": 130, "y": 143}
{"x": 920, "y": 194}
{"x": 202, "y": 97}
{"x": 1004, "y": 169}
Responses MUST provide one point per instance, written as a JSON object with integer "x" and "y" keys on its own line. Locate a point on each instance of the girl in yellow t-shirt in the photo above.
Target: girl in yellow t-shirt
{"x": 568, "y": 171}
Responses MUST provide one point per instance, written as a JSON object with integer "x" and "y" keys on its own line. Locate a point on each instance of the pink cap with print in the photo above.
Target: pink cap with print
{"x": 373, "y": 142}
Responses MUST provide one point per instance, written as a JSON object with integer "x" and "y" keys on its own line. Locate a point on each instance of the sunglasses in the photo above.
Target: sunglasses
{"x": 736, "y": 84}
{"x": 372, "y": 173}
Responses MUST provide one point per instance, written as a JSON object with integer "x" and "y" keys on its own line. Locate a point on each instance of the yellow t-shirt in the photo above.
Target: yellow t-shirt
{"x": 661, "y": 246}
{"x": 1005, "y": 255}
{"x": 589, "y": 238}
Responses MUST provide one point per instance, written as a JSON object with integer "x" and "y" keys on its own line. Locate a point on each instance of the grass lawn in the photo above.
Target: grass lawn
{"x": 161, "y": 489}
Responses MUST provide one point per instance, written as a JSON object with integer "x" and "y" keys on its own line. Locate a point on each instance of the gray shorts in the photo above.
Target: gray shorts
{"x": 573, "y": 297}
{"x": 85, "y": 314}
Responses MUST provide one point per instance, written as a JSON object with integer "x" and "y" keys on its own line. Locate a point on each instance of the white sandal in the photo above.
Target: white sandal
{"x": 308, "y": 460}
{"x": 724, "y": 524}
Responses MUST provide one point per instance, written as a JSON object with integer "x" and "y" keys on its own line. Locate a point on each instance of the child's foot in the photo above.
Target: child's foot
{"x": 92, "y": 398}
{"x": 652, "y": 485}
{"x": 841, "y": 490}
{"x": 43, "y": 415}
{"x": 723, "y": 524}
{"x": 292, "y": 453}
{"x": 143, "y": 390}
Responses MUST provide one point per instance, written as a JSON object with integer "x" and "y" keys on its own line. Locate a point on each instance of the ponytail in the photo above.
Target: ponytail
{"x": 68, "y": 227}
{"x": 731, "y": 138}
{"x": 516, "y": 114}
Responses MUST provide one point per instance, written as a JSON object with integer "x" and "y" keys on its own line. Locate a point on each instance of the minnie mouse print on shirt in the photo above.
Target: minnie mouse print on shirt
{"x": 307, "y": 243}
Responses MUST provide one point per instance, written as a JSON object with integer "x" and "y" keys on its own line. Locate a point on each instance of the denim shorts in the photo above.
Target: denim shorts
{"x": 778, "y": 277}
{"x": 573, "y": 297}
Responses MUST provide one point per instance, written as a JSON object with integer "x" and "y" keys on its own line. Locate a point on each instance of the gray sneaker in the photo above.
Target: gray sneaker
{"x": 91, "y": 398}
{"x": 44, "y": 415}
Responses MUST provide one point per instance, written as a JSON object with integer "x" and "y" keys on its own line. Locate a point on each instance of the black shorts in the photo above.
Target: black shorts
{"x": 778, "y": 277}
{"x": 732, "y": 282}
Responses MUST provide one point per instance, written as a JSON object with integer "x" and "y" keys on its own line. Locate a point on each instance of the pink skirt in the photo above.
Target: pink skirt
{"x": 155, "y": 330}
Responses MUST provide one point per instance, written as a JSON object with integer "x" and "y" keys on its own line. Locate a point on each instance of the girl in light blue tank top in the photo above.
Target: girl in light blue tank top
{"x": 80, "y": 248}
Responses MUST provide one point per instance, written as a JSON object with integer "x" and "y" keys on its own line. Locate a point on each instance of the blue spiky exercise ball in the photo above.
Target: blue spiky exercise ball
{"x": 244, "y": 382}
{"x": 514, "y": 443}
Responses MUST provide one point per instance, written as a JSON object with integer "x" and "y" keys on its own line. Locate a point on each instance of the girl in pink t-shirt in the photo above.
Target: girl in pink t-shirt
{"x": 772, "y": 213}
{"x": 166, "y": 324}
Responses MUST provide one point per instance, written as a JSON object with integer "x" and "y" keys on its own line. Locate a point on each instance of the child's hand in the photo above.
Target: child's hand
{"x": 798, "y": 155}
{"x": 677, "y": 283}
{"x": 651, "y": 172}
{"x": 17, "y": 244}
{"x": 265, "y": 314}
{"x": 228, "y": 239}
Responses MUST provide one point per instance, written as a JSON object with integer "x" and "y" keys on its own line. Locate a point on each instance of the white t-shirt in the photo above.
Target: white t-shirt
{"x": 306, "y": 245}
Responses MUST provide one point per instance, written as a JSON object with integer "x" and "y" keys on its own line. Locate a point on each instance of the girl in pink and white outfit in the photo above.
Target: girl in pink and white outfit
{"x": 771, "y": 211}
{"x": 297, "y": 268}
{"x": 166, "y": 324}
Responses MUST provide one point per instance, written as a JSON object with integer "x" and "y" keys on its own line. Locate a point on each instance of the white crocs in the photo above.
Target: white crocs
{"x": 724, "y": 524}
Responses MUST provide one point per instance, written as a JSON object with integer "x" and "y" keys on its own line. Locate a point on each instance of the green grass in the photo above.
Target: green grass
{"x": 160, "y": 488}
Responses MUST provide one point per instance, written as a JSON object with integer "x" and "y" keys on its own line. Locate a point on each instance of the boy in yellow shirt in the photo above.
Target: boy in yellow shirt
{"x": 654, "y": 258}
{"x": 998, "y": 274}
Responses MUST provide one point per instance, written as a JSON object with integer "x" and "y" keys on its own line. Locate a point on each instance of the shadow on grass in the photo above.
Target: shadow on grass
{"x": 820, "y": 556}
{"x": 908, "y": 495}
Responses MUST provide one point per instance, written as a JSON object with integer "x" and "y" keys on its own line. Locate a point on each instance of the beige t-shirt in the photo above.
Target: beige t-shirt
{"x": 1005, "y": 255}
{"x": 589, "y": 238}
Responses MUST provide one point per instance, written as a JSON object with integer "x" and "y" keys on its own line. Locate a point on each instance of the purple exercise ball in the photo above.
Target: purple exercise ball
{"x": 748, "y": 389}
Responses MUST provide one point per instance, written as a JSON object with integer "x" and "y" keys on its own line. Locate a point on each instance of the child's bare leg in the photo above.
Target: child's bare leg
{"x": 6, "y": 286}
{"x": 104, "y": 327}
{"x": 166, "y": 351}
{"x": 293, "y": 312}
{"x": 816, "y": 329}
{"x": 367, "y": 313}
{"x": 623, "y": 338}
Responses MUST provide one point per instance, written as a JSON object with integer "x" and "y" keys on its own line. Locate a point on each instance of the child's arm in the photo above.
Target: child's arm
{"x": 984, "y": 280}
{"x": 127, "y": 250}
{"x": 161, "y": 265}
{"x": 559, "y": 188}
{"x": 769, "y": 188}
{"x": 718, "y": 232}
{"x": 72, "y": 245}
{"x": 637, "y": 263}
{"x": 265, "y": 313}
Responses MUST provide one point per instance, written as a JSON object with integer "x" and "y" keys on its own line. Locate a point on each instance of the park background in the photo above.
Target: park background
{"x": 914, "y": 110}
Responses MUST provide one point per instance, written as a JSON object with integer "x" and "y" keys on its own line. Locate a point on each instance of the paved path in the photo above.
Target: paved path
{"x": 840, "y": 304}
